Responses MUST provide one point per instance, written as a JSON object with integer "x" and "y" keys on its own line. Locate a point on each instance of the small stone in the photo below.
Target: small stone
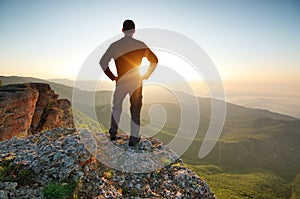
{"x": 138, "y": 186}
{"x": 3, "y": 195}
{"x": 9, "y": 185}
{"x": 178, "y": 195}
{"x": 145, "y": 145}
{"x": 167, "y": 192}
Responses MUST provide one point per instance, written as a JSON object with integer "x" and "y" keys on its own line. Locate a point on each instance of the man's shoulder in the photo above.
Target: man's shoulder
{"x": 125, "y": 45}
{"x": 116, "y": 43}
{"x": 141, "y": 44}
{"x": 128, "y": 41}
{"x": 138, "y": 41}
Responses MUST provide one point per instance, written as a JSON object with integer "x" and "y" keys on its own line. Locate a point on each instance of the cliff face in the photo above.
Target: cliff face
{"x": 31, "y": 108}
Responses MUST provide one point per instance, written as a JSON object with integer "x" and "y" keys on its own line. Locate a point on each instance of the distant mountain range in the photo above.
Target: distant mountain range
{"x": 252, "y": 139}
{"x": 284, "y": 100}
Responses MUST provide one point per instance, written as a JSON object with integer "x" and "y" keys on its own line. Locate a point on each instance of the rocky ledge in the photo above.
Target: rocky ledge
{"x": 31, "y": 166}
{"x": 30, "y": 108}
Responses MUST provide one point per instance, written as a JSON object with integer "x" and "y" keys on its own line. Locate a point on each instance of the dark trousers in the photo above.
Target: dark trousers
{"x": 135, "y": 93}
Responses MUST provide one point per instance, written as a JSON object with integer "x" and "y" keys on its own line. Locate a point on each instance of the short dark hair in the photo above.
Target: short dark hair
{"x": 128, "y": 24}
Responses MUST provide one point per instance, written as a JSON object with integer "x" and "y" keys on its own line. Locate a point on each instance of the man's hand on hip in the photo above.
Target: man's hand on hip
{"x": 145, "y": 76}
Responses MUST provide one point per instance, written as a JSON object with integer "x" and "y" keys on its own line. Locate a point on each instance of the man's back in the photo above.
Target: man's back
{"x": 127, "y": 54}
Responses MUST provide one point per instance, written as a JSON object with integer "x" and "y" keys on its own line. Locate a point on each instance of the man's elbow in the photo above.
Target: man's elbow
{"x": 101, "y": 62}
{"x": 154, "y": 60}
{"x": 103, "y": 65}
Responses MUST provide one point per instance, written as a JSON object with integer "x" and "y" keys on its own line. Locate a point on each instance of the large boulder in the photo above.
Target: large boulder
{"x": 31, "y": 108}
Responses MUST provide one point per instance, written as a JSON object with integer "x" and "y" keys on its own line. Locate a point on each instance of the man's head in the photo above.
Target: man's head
{"x": 128, "y": 27}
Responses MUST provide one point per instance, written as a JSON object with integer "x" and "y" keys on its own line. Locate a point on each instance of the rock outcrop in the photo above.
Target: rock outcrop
{"x": 31, "y": 108}
{"x": 60, "y": 154}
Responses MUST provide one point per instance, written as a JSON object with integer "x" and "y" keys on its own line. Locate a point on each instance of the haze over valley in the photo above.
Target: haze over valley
{"x": 276, "y": 96}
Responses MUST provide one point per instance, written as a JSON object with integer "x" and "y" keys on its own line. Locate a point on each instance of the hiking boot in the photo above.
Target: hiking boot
{"x": 113, "y": 136}
{"x": 133, "y": 141}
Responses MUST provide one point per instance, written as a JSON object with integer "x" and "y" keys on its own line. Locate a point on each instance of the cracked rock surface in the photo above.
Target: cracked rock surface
{"x": 60, "y": 154}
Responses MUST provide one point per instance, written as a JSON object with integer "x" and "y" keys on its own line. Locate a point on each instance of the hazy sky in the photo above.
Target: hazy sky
{"x": 256, "y": 40}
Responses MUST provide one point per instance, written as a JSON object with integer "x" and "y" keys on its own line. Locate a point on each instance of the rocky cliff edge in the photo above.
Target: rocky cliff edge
{"x": 30, "y": 108}
{"x": 59, "y": 156}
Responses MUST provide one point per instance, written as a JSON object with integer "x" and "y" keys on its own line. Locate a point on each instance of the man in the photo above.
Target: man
{"x": 127, "y": 54}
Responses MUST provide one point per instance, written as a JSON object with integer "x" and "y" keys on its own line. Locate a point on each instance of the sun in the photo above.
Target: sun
{"x": 174, "y": 63}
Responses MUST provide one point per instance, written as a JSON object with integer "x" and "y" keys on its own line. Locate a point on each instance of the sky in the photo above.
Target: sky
{"x": 246, "y": 40}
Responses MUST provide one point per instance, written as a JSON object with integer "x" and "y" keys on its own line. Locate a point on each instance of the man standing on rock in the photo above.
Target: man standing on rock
{"x": 127, "y": 54}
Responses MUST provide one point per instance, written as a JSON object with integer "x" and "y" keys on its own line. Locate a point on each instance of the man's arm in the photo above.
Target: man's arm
{"x": 104, "y": 63}
{"x": 149, "y": 71}
{"x": 153, "y": 63}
